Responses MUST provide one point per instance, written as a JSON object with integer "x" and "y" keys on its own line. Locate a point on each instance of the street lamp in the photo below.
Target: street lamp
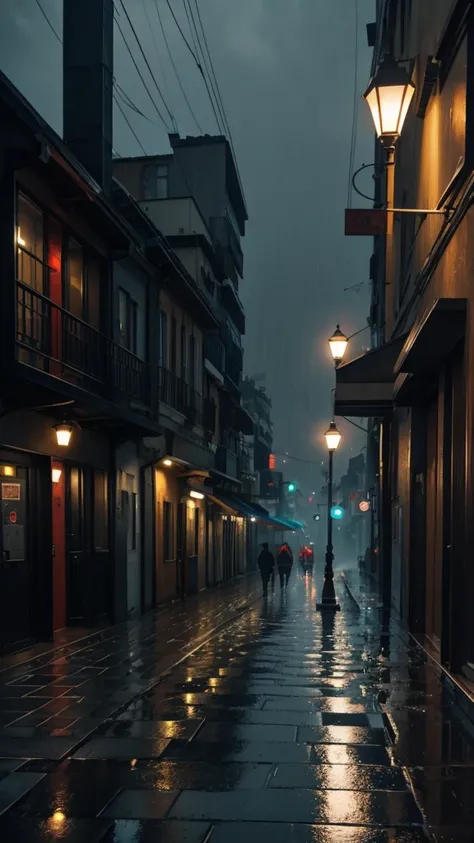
{"x": 333, "y": 437}
{"x": 328, "y": 597}
{"x": 388, "y": 96}
{"x": 338, "y": 345}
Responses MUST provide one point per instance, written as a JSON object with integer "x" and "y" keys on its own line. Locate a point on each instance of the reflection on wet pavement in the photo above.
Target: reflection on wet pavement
{"x": 283, "y": 726}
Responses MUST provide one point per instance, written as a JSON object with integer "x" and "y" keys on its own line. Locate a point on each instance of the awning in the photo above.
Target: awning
{"x": 234, "y": 504}
{"x": 432, "y": 338}
{"x": 364, "y": 386}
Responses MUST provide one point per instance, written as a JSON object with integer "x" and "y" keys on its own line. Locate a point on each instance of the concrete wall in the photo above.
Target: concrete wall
{"x": 176, "y": 216}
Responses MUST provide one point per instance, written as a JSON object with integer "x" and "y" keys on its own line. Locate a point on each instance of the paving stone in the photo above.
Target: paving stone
{"x": 236, "y": 832}
{"x": 122, "y": 748}
{"x": 140, "y": 804}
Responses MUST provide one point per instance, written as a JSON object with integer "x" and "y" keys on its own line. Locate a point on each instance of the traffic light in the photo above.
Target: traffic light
{"x": 337, "y": 512}
{"x": 292, "y": 487}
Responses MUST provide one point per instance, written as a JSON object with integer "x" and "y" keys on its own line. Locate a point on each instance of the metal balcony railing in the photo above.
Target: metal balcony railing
{"x": 52, "y": 340}
{"x": 214, "y": 351}
{"x": 185, "y": 400}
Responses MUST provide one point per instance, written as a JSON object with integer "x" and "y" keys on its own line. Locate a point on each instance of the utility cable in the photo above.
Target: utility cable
{"x": 158, "y": 55}
{"x": 126, "y": 100}
{"x": 40, "y": 7}
{"x": 122, "y": 112}
{"x": 198, "y": 63}
{"x": 355, "y": 110}
{"x": 140, "y": 75}
{"x": 173, "y": 65}
{"x": 203, "y": 61}
{"x": 214, "y": 75}
{"x": 146, "y": 62}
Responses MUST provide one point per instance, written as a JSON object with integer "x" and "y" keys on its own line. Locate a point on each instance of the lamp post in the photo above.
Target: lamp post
{"x": 328, "y": 598}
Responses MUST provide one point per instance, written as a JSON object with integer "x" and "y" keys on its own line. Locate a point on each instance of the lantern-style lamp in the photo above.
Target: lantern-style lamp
{"x": 332, "y": 436}
{"x": 338, "y": 345}
{"x": 64, "y": 432}
{"x": 388, "y": 96}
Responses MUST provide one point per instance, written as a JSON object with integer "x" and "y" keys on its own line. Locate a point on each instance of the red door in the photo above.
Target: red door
{"x": 59, "y": 545}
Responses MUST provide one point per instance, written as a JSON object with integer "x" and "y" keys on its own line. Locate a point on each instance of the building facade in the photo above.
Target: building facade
{"x": 417, "y": 384}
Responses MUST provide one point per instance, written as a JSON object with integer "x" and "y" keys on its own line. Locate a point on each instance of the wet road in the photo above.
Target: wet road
{"x": 281, "y": 726}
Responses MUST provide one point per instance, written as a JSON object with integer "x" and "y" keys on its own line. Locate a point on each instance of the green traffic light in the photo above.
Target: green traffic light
{"x": 291, "y": 487}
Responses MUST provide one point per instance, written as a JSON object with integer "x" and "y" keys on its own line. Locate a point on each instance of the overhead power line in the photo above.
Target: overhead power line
{"x": 147, "y": 64}
{"x": 122, "y": 112}
{"x": 198, "y": 64}
{"x": 355, "y": 110}
{"x": 40, "y": 7}
{"x": 141, "y": 76}
{"x": 173, "y": 65}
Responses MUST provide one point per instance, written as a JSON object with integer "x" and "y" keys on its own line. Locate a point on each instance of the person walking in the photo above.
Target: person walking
{"x": 285, "y": 564}
{"x": 266, "y": 564}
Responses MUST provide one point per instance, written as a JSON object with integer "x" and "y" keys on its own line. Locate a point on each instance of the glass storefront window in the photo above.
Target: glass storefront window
{"x": 30, "y": 244}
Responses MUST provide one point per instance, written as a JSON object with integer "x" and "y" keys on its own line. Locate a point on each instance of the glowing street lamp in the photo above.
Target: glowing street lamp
{"x": 388, "y": 96}
{"x": 338, "y": 345}
{"x": 328, "y": 598}
{"x": 333, "y": 437}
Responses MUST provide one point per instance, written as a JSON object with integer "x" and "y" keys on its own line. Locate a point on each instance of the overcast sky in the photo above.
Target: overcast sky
{"x": 286, "y": 70}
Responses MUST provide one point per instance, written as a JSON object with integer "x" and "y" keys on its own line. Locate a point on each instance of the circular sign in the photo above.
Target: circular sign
{"x": 12, "y": 517}
{"x": 364, "y": 506}
{"x": 337, "y": 512}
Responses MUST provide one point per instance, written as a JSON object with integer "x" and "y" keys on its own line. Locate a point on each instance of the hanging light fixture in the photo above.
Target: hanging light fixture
{"x": 388, "y": 96}
{"x": 196, "y": 495}
{"x": 337, "y": 344}
{"x": 64, "y": 432}
{"x": 56, "y": 474}
{"x": 332, "y": 436}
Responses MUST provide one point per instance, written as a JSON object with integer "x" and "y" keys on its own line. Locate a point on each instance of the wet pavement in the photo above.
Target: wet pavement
{"x": 233, "y": 718}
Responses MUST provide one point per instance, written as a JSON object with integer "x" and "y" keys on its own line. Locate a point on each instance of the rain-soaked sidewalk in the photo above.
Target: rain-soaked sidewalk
{"x": 251, "y": 720}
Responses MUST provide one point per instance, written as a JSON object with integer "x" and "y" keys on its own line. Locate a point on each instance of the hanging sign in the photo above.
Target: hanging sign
{"x": 368, "y": 222}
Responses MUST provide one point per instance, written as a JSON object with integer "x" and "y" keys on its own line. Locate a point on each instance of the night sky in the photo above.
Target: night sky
{"x": 286, "y": 70}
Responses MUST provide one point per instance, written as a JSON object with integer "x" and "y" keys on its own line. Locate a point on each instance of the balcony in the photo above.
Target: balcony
{"x": 214, "y": 351}
{"x": 227, "y": 245}
{"x": 176, "y": 217}
{"x": 53, "y": 341}
{"x": 181, "y": 397}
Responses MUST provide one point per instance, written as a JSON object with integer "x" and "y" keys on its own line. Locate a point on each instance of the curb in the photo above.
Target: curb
{"x": 349, "y": 591}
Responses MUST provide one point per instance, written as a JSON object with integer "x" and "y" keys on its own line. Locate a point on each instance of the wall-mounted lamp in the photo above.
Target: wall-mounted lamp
{"x": 388, "y": 96}
{"x": 56, "y": 474}
{"x": 64, "y": 432}
{"x": 8, "y": 470}
{"x": 167, "y": 462}
{"x": 252, "y": 518}
{"x": 197, "y": 495}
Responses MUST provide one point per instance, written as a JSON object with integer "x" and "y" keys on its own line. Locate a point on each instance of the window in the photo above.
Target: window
{"x": 75, "y": 279}
{"x": 155, "y": 181}
{"x": 173, "y": 345}
{"x": 101, "y": 514}
{"x": 128, "y": 316}
{"x": 183, "y": 352}
{"x": 192, "y": 360}
{"x": 196, "y": 531}
{"x": 30, "y": 243}
{"x": 167, "y": 530}
{"x": 163, "y": 339}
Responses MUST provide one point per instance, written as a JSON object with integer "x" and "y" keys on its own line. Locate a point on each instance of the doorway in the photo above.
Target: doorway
{"x": 433, "y": 557}
{"x": 76, "y": 543}
{"x": 59, "y": 544}
{"x": 15, "y": 563}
